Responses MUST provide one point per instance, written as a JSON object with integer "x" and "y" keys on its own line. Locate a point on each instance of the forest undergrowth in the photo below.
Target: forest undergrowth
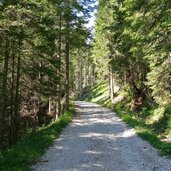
{"x": 32, "y": 145}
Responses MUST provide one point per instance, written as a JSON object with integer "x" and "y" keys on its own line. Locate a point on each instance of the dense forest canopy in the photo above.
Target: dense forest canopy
{"x": 48, "y": 55}
{"x": 132, "y": 41}
{"x": 41, "y": 45}
{"x": 132, "y": 50}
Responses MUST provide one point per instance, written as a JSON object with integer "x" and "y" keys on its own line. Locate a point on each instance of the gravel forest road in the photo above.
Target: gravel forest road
{"x": 97, "y": 140}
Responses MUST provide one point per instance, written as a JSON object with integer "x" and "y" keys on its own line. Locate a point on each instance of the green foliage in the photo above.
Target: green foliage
{"x": 133, "y": 37}
{"x": 36, "y": 37}
{"x": 32, "y": 145}
{"x": 154, "y": 132}
{"x": 143, "y": 130}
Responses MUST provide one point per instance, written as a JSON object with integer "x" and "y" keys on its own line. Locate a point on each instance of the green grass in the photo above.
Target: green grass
{"x": 149, "y": 132}
{"x": 30, "y": 148}
{"x": 143, "y": 130}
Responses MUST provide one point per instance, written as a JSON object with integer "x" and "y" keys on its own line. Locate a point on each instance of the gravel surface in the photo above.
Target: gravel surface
{"x": 97, "y": 140}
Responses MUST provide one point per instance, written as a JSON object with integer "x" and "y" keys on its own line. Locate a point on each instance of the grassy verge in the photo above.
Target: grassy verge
{"x": 29, "y": 149}
{"x": 143, "y": 130}
{"x": 151, "y": 133}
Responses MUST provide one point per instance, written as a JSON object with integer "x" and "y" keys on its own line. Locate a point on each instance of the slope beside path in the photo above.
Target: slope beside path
{"x": 97, "y": 140}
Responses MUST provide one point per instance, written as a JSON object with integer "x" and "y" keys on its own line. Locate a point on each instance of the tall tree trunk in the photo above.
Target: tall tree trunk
{"x": 4, "y": 93}
{"x": 12, "y": 97}
{"x": 50, "y": 105}
{"x": 109, "y": 81}
{"x": 111, "y": 86}
{"x": 59, "y": 69}
{"x": 79, "y": 75}
{"x": 92, "y": 76}
{"x": 17, "y": 101}
{"x": 67, "y": 54}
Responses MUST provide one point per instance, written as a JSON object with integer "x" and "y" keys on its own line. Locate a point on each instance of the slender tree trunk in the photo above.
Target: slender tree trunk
{"x": 79, "y": 75}
{"x": 50, "y": 105}
{"x": 93, "y": 75}
{"x": 4, "y": 93}
{"x": 67, "y": 51}
{"x": 67, "y": 72}
{"x": 59, "y": 70}
{"x": 89, "y": 75}
{"x": 109, "y": 82}
{"x": 111, "y": 87}
{"x": 86, "y": 71}
{"x": 17, "y": 100}
{"x": 12, "y": 97}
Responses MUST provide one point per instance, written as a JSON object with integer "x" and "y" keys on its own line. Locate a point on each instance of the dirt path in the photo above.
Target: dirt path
{"x": 97, "y": 140}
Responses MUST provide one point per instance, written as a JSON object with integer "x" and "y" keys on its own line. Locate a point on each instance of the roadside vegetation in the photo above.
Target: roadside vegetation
{"x": 148, "y": 121}
{"x": 32, "y": 145}
{"x": 132, "y": 53}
